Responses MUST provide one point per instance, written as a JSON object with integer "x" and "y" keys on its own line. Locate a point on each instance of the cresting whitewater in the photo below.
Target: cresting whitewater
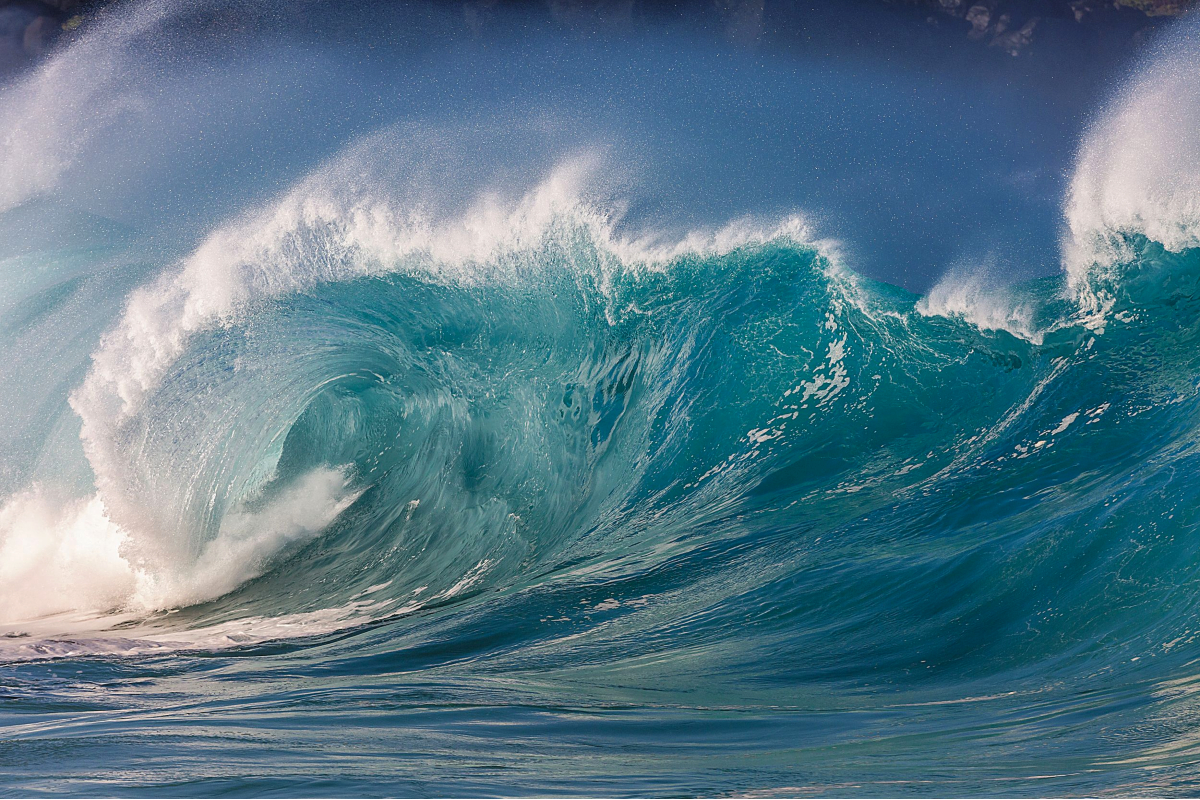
{"x": 405, "y": 461}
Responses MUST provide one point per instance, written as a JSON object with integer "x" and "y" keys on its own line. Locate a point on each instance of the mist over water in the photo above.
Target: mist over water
{"x": 398, "y": 401}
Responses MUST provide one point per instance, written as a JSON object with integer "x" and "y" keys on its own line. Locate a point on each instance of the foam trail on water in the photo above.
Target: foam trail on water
{"x": 59, "y": 636}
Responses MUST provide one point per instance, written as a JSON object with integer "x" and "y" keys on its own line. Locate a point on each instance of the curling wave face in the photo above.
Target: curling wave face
{"x": 508, "y": 455}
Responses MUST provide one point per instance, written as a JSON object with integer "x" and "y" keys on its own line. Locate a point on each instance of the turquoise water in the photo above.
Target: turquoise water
{"x": 383, "y": 485}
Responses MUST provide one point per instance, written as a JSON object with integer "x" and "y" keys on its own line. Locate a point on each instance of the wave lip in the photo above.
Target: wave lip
{"x": 971, "y": 297}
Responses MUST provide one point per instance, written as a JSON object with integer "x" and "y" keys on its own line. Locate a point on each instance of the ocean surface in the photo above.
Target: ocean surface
{"x": 411, "y": 447}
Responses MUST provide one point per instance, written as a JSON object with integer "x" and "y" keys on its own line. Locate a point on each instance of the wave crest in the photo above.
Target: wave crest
{"x": 1138, "y": 172}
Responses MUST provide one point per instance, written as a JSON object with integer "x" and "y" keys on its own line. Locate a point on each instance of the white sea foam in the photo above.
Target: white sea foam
{"x": 69, "y": 556}
{"x": 76, "y": 635}
{"x": 1138, "y": 170}
{"x": 59, "y": 555}
{"x": 970, "y": 296}
{"x": 249, "y": 539}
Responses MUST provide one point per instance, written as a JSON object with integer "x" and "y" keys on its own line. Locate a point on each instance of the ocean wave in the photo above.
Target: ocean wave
{"x": 329, "y": 229}
{"x": 1135, "y": 177}
{"x": 414, "y": 416}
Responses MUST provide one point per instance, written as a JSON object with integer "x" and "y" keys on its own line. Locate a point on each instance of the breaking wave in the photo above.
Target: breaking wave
{"x": 486, "y": 422}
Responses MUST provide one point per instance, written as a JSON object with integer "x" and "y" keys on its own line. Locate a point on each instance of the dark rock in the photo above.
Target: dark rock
{"x": 28, "y": 28}
{"x": 1014, "y": 41}
{"x": 1009, "y": 25}
{"x": 980, "y": 17}
{"x": 1158, "y": 8}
